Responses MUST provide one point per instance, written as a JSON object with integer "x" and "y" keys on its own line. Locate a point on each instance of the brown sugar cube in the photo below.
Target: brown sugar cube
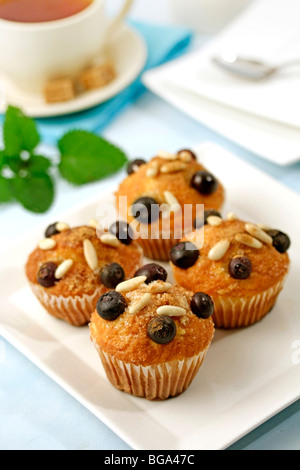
{"x": 59, "y": 90}
{"x": 97, "y": 77}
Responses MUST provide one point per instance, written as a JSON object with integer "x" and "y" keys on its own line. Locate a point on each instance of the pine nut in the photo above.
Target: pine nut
{"x": 166, "y": 155}
{"x": 172, "y": 167}
{"x": 159, "y": 288}
{"x": 171, "y": 311}
{"x": 246, "y": 239}
{"x": 63, "y": 268}
{"x": 93, "y": 223}
{"x": 219, "y": 250}
{"x": 47, "y": 244}
{"x": 110, "y": 240}
{"x": 131, "y": 284}
{"x": 185, "y": 157}
{"x": 140, "y": 304}
{"x": 259, "y": 234}
{"x": 171, "y": 200}
{"x": 62, "y": 226}
{"x": 214, "y": 220}
{"x": 231, "y": 216}
{"x": 152, "y": 171}
{"x": 264, "y": 227}
{"x": 90, "y": 254}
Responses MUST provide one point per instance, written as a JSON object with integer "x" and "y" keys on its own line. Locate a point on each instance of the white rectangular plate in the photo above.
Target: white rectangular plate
{"x": 248, "y": 375}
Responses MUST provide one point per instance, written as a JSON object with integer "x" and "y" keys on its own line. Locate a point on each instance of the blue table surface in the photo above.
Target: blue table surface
{"x": 36, "y": 413}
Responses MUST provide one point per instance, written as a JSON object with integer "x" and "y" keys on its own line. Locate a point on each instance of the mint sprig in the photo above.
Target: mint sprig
{"x": 26, "y": 176}
{"x": 86, "y": 157}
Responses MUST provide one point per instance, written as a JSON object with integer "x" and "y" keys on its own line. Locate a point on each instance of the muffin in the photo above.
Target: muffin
{"x": 152, "y": 337}
{"x": 240, "y": 265}
{"x": 72, "y": 267}
{"x": 161, "y": 198}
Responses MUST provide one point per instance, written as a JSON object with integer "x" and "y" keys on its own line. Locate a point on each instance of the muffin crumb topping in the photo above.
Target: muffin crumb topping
{"x": 174, "y": 163}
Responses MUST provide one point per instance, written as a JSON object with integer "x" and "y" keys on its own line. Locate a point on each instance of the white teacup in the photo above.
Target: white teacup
{"x": 32, "y": 53}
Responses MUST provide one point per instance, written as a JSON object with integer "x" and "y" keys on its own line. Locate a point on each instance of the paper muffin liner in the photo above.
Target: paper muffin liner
{"x": 153, "y": 382}
{"x": 159, "y": 249}
{"x": 241, "y": 312}
{"x": 74, "y": 310}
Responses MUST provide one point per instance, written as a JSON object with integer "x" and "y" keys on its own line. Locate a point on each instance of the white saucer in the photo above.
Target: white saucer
{"x": 128, "y": 52}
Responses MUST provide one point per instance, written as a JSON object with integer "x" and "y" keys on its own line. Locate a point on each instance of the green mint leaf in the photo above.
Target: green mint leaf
{"x": 38, "y": 164}
{"x": 14, "y": 163}
{"x": 19, "y": 132}
{"x": 6, "y": 194}
{"x": 86, "y": 157}
{"x": 2, "y": 159}
{"x": 34, "y": 192}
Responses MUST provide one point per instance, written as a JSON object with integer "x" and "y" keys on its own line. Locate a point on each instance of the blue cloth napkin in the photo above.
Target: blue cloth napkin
{"x": 163, "y": 43}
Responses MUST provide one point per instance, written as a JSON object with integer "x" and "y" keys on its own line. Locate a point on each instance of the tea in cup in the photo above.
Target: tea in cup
{"x": 38, "y": 11}
{"x": 45, "y": 39}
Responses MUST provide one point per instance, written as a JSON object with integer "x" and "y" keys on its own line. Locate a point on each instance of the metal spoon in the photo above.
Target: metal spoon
{"x": 250, "y": 68}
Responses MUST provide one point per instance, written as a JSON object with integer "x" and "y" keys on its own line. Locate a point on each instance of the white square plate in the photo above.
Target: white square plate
{"x": 248, "y": 375}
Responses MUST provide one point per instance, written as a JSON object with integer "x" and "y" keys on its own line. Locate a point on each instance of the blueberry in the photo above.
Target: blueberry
{"x": 111, "y": 305}
{"x": 122, "y": 231}
{"x": 281, "y": 241}
{"x": 184, "y": 255}
{"x": 153, "y": 271}
{"x": 46, "y": 274}
{"x": 204, "y": 182}
{"x": 146, "y": 210}
{"x": 202, "y": 305}
{"x": 111, "y": 275}
{"x": 200, "y": 221}
{"x": 51, "y": 230}
{"x": 188, "y": 151}
{"x": 162, "y": 329}
{"x": 134, "y": 165}
{"x": 240, "y": 267}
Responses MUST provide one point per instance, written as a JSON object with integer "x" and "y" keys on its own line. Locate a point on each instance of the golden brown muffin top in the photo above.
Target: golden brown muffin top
{"x": 81, "y": 278}
{"x": 212, "y": 275}
{"x": 153, "y": 179}
{"x": 126, "y": 338}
